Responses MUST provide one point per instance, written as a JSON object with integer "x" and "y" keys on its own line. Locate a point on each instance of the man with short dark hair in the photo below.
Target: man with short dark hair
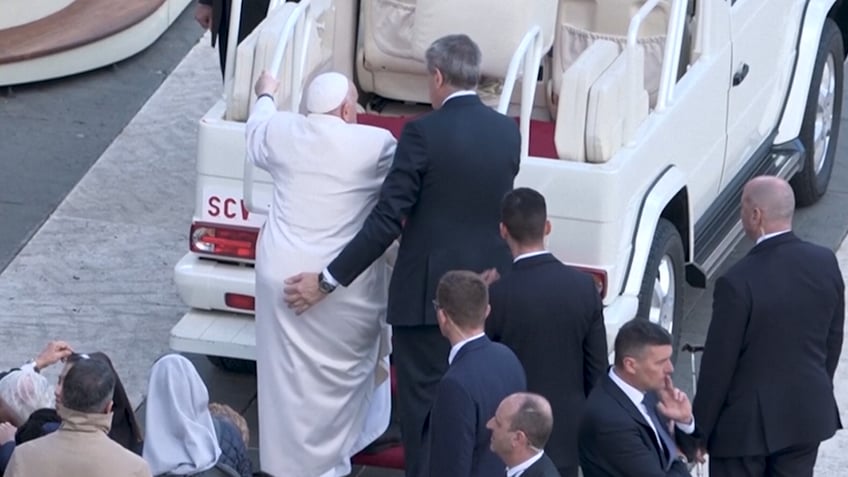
{"x": 480, "y": 374}
{"x": 520, "y": 429}
{"x": 765, "y": 390}
{"x": 81, "y": 446}
{"x": 551, "y": 316}
{"x": 626, "y": 430}
{"x": 451, "y": 169}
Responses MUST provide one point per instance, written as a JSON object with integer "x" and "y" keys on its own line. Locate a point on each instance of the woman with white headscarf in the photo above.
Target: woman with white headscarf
{"x": 181, "y": 435}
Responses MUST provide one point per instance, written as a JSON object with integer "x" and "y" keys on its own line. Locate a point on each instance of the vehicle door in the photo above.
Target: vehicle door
{"x": 764, "y": 37}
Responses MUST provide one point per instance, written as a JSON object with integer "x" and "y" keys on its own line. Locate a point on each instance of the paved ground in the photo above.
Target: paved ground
{"x": 98, "y": 272}
{"x": 53, "y": 131}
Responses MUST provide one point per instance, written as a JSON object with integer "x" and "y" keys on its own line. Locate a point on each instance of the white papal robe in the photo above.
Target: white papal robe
{"x": 322, "y": 376}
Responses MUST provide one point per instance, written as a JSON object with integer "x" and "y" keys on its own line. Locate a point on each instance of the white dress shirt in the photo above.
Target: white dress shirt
{"x": 529, "y": 254}
{"x": 455, "y": 348}
{"x": 637, "y": 396}
{"x": 768, "y": 236}
{"x": 520, "y": 468}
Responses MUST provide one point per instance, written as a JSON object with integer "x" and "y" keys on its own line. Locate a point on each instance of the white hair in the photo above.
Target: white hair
{"x": 24, "y": 391}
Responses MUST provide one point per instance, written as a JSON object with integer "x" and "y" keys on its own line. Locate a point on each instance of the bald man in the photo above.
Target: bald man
{"x": 323, "y": 392}
{"x": 520, "y": 429}
{"x": 765, "y": 392}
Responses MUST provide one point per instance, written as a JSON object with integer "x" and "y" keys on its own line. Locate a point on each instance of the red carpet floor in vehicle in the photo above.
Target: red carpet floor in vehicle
{"x": 541, "y": 132}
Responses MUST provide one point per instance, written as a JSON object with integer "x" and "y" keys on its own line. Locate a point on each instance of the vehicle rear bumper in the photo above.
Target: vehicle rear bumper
{"x": 215, "y": 333}
{"x": 203, "y": 283}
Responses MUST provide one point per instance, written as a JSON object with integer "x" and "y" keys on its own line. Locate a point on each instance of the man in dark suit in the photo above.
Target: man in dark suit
{"x": 765, "y": 391}
{"x": 480, "y": 374}
{"x": 451, "y": 169}
{"x": 625, "y": 429}
{"x": 520, "y": 429}
{"x": 214, "y": 15}
{"x": 551, "y": 316}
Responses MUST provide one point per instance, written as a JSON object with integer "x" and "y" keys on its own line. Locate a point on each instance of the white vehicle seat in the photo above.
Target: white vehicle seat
{"x": 256, "y": 53}
{"x": 618, "y": 103}
{"x": 394, "y": 35}
{"x": 577, "y": 81}
{"x": 580, "y": 23}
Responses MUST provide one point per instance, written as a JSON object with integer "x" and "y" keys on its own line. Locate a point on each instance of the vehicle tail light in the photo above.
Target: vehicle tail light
{"x": 600, "y": 278}
{"x": 242, "y": 302}
{"x": 237, "y": 242}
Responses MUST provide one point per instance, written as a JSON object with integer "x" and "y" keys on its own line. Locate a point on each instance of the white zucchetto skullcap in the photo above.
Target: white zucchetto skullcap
{"x": 326, "y": 92}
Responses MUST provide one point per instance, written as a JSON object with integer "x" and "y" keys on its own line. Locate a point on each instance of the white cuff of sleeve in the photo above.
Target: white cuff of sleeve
{"x": 686, "y": 428}
{"x": 330, "y": 279}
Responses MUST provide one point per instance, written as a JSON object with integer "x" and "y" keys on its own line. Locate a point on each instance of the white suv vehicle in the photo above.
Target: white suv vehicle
{"x": 641, "y": 121}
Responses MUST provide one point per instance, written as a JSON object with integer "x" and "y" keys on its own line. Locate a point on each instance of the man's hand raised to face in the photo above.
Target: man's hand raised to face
{"x": 674, "y": 404}
{"x": 302, "y": 291}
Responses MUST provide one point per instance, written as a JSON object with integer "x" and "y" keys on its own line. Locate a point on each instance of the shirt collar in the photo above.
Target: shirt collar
{"x": 768, "y": 236}
{"x": 529, "y": 254}
{"x": 455, "y": 348}
{"x": 632, "y": 393}
{"x": 520, "y": 468}
{"x": 456, "y": 94}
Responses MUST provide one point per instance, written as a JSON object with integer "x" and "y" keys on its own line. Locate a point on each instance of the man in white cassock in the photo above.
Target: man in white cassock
{"x": 323, "y": 376}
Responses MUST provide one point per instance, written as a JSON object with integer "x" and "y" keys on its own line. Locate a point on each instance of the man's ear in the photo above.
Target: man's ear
{"x": 503, "y": 230}
{"x": 439, "y": 78}
{"x": 109, "y": 407}
{"x": 547, "y": 227}
{"x": 488, "y": 310}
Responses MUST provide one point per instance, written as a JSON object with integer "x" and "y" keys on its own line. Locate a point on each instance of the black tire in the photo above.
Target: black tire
{"x": 811, "y": 182}
{"x": 233, "y": 365}
{"x": 667, "y": 244}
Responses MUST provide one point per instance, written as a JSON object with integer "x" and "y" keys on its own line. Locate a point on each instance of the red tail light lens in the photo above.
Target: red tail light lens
{"x": 600, "y": 278}
{"x": 242, "y": 302}
{"x": 236, "y": 242}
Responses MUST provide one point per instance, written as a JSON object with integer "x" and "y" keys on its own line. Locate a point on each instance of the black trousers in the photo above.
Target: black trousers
{"x": 420, "y": 357}
{"x": 252, "y": 14}
{"x": 796, "y": 461}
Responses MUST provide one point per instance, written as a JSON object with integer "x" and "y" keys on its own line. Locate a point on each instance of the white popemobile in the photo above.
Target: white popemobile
{"x": 640, "y": 120}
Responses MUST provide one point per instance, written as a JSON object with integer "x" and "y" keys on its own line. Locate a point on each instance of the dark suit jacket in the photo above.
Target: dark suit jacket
{"x": 615, "y": 440}
{"x": 451, "y": 170}
{"x": 543, "y": 467}
{"x": 455, "y": 436}
{"x": 551, "y": 316}
{"x": 773, "y": 344}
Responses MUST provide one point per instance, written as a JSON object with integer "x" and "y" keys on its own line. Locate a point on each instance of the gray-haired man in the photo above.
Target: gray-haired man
{"x": 451, "y": 170}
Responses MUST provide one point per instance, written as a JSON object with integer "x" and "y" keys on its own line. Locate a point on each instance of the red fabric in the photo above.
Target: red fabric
{"x": 541, "y": 132}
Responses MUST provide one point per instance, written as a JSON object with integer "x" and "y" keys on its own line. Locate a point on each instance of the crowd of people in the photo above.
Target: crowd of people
{"x": 85, "y": 425}
{"x": 499, "y": 349}
{"x": 480, "y": 311}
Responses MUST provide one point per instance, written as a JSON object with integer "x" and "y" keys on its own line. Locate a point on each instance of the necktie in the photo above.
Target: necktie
{"x": 669, "y": 447}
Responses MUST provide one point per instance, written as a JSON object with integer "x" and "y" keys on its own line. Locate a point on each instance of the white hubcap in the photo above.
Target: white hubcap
{"x": 663, "y": 295}
{"x": 824, "y": 113}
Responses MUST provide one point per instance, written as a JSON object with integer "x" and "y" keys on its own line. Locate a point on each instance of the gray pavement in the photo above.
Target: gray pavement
{"x": 99, "y": 271}
{"x": 53, "y": 131}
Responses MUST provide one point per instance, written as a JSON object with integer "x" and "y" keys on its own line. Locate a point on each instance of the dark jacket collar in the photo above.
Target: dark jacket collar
{"x": 533, "y": 261}
{"x": 461, "y": 101}
{"x": 773, "y": 242}
{"x": 470, "y": 347}
{"x": 622, "y": 400}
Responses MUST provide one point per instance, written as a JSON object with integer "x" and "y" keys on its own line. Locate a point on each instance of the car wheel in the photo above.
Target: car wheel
{"x": 820, "y": 129}
{"x": 233, "y": 365}
{"x": 661, "y": 294}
